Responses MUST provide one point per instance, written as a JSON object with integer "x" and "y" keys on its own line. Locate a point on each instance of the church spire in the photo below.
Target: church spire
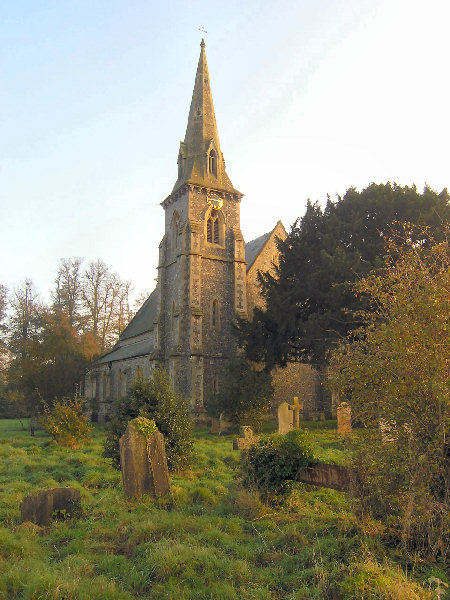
{"x": 200, "y": 160}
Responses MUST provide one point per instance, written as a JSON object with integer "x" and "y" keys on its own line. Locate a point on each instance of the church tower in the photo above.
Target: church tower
{"x": 202, "y": 268}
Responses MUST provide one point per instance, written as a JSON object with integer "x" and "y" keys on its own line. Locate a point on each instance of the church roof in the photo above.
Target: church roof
{"x": 128, "y": 351}
{"x": 143, "y": 320}
{"x": 253, "y": 248}
{"x": 201, "y": 137}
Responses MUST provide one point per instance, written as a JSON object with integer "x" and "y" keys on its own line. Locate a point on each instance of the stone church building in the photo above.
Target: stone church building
{"x": 206, "y": 275}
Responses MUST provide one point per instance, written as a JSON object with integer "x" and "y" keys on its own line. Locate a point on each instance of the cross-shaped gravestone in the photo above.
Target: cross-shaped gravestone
{"x": 296, "y": 407}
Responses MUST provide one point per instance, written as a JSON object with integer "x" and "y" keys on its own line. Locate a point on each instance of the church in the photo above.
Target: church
{"x": 207, "y": 275}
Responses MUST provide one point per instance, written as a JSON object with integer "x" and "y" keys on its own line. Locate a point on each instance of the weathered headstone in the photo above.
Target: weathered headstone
{"x": 285, "y": 418}
{"x": 246, "y": 438}
{"x": 45, "y": 506}
{"x": 388, "y": 431}
{"x": 143, "y": 461}
{"x": 158, "y": 463}
{"x": 224, "y": 425}
{"x": 297, "y": 410}
{"x": 215, "y": 425}
{"x": 344, "y": 418}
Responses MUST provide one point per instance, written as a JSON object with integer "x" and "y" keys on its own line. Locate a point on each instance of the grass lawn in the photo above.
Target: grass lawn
{"x": 208, "y": 538}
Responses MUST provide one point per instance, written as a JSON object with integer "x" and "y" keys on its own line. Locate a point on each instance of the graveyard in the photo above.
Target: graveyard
{"x": 208, "y": 536}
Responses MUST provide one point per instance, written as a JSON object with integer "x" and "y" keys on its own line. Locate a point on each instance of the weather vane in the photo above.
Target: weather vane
{"x": 202, "y": 29}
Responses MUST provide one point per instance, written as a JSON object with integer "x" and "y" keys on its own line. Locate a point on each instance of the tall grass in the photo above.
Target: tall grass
{"x": 208, "y": 538}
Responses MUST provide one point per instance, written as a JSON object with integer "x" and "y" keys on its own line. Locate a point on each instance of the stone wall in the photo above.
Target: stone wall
{"x": 263, "y": 262}
{"x": 296, "y": 380}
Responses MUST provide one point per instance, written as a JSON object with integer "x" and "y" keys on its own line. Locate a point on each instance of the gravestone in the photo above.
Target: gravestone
{"x": 45, "y": 506}
{"x": 224, "y": 425}
{"x": 344, "y": 418}
{"x": 285, "y": 418}
{"x": 215, "y": 425}
{"x": 246, "y": 438}
{"x": 388, "y": 431}
{"x": 143, "y": 461}
{"x": 297, "y": 410}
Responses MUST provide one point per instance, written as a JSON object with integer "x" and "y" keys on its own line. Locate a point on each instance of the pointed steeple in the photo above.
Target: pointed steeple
{"x": 200, "y": 160}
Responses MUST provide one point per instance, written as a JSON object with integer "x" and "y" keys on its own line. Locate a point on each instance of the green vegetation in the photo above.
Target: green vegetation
{"x": 395, "y": 370}
{"x": 65, "y": 422}
{"x": 273, "y": 463}
{"x": 153, "y": 399}
{"x": 309, "y": 304}
{"x": 208, "y": 539}
{"x": 245, "y": 395}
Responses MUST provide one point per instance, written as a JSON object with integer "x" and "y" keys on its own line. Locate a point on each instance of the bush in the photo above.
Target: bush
{"x": 153, "y": 399}
{"x": 66, "y": 423}
{"x": 273, "y": 463}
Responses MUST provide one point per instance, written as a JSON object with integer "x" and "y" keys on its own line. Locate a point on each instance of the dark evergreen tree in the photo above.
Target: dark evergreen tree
{"x": 245, "y": 395}
{"x": 309, "y": 302}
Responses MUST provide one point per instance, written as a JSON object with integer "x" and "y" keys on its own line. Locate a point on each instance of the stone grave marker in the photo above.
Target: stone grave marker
{"x": 224, "y": 425}
{"x": 246, "y": 438}
{"x": 143, "y": 460}
{"x": 158, "y": 463}
{"x": 47, "y": 505}
{"x": 388, "y": 431}
{"x": 297, "y": 410}
{"x": 285, "y": 418}
{"x": 215, "y": 425}
{"x": 344, "y": 418}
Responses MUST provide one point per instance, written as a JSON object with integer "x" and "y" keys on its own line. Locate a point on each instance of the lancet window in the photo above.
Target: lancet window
{"x": 212, "y": 162}
{"x": 213, "y": 228}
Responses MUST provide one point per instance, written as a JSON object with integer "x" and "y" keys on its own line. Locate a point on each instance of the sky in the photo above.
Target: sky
{"x": 311, "y": 98}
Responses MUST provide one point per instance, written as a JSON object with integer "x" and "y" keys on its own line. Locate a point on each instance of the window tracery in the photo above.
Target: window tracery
{"x": 213, "y": 227}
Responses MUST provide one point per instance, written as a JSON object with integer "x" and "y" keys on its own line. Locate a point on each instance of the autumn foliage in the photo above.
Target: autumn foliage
{"x": 395, "y": 370}
{"x": 65, "y": 422}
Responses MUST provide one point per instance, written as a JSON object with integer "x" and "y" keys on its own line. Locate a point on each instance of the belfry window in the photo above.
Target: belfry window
{"x": 213, "y": 228}
{"x": 212, "y": 162}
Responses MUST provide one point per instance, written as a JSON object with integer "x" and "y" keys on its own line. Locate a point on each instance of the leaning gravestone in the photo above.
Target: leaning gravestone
{"x": 47, "y": 505}
{"x": 285, "y": 418}
{"x": 246, "y": 438}
{"x": 143, "y": 460}
{"x": 344, "y": 418}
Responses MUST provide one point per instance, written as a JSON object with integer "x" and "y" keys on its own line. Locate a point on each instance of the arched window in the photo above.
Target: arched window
{"x": 213, "y": 228}
{"x": 215, "y": 314}
{"x": 212, "y": 162}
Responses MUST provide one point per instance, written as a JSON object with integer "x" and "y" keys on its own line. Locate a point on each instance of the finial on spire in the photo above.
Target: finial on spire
{"x": 203, "y": 30}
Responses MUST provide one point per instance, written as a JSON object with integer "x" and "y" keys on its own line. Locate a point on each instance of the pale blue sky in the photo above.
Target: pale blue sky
{"x": 311, "y": 97}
